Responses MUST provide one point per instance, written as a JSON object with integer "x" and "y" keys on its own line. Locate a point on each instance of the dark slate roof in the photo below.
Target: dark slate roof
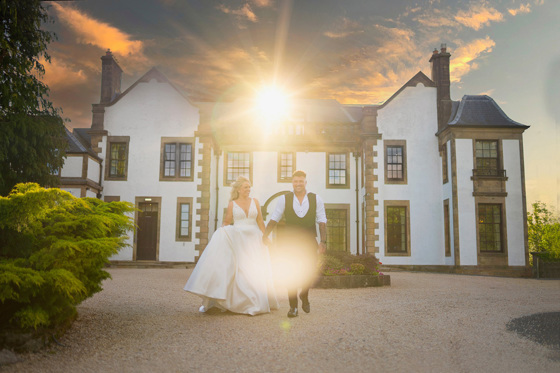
{"x": 480, "y": 110}
{"x": 77, "y": 143}
{"x": 83, "y": 136}
{"x": 309, "y": 110}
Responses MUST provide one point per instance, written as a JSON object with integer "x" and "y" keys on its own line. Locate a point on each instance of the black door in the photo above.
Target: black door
{"x": 147, "y": 231}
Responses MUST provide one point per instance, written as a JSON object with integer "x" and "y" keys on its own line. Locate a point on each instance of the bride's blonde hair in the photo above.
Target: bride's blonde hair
{"x": 237, "y": 184}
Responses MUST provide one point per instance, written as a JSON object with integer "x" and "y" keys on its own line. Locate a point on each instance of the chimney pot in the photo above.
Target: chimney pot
{"x": 443, "y": 47}
{"x": 435, "y": 51}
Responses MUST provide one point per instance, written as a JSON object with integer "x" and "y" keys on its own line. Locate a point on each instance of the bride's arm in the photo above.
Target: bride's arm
{"x": 260, "y": 221}
{"x": 229, "y": 215}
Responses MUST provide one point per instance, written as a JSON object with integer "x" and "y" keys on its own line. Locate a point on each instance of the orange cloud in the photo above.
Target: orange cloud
{"x": 435, "y": 18}
{"x": 243, "y": 13}
{"x": 522, "y": 9}
{"x": 100, "y": 34}
{"x": 262, "y": 3}
{"x": 464, "y": 57}
{"x": 371, "y": 74}
{"x": 478, "y": 16}
{"x": 59, "y": 75}
{"x": 343, "y": 28}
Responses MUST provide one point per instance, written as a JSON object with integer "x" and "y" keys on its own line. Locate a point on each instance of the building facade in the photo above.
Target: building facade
{"x": 419, "y": 180}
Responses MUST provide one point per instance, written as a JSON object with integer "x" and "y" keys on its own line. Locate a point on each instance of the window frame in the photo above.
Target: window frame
{"x": 488, "y": 172}
{"x": 395, "y": 143}
{"x": 228, "y": 182}
{"x": 341, "y": 207}
{"x": 400, "y": 204}
{"x": 444, "y": 164}
{"x": 447, "y": 227}
{"x": 346, "y": 185}
{"x": 287, "y": 179}
{"x": 116, "y": 140}
{"x": 178, "y": 236}
{"x": 500, "y": 225}
{"x": 177, "y": 141}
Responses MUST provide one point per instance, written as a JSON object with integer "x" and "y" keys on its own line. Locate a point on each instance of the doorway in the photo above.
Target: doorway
{"x": 147, "y": 235}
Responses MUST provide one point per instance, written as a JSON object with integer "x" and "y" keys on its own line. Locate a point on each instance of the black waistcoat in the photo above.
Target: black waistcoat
{"x": 306, "y": 223}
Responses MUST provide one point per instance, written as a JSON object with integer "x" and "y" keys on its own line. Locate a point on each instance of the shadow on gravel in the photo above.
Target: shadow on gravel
{"x": 543, "y": 328}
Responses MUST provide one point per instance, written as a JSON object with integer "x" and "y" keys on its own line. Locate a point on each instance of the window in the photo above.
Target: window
{"x": 397, "y": 228}
{"x": 490, "y": 227}
{"x": 286, "y": 166}
{"x": 184, "y": 219}
{"x": 487, "y": 158}
{"x": 444, "y": 170}
{"x": 117, "y": 158}
{"x": 337, "y": 164}
{"x": 237, "y": 164}
{"x": 447, "y": 227}
{"x": 177, "y": 159}
{"x": 395, "y": 162}
{"x": 337, "y": 227}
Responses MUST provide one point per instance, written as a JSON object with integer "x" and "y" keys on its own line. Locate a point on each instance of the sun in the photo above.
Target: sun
{"x": 272, "y": 103}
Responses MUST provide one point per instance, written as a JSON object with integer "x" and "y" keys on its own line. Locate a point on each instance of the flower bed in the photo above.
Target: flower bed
{"x": 343, "y": 270}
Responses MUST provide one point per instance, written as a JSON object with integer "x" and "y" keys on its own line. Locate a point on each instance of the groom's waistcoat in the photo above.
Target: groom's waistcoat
{"x": 307, "y": 223}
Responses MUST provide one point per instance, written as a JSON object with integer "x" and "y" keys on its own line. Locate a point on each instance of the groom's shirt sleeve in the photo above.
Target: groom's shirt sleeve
{"x": 279, "y": 210}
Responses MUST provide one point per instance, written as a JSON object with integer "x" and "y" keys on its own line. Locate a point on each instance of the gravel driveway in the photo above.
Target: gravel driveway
{"x": 143, "y": 321}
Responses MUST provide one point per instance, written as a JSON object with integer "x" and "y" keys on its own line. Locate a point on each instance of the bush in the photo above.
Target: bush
{"x": 352, "y": 264}
{"x": 543, "y": 232}
{"x": 53, "y": 248}
{"x": 357, "y": 268}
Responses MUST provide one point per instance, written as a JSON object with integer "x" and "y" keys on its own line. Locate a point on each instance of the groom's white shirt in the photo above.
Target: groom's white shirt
{"x": 300, "y": 209}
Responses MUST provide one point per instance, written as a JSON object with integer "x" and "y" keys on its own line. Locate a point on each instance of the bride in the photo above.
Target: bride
{"x": 234, "y": 271}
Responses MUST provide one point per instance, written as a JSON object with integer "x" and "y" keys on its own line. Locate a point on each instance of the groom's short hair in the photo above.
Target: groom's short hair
{"x": 299, "y": 173}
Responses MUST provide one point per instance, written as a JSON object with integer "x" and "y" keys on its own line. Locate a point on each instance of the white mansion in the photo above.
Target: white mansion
{"x": 420, "y": 180}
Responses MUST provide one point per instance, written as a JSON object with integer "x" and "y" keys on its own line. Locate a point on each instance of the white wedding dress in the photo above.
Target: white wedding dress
{"x": 234, "y": 271}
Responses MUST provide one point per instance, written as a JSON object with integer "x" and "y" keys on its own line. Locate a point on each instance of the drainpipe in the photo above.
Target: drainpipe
{"x": 217, "y": 189}
{"x": 356, "y": 155}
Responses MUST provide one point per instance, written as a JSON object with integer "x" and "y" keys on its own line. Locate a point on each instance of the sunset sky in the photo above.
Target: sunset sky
{"x": 358, "y": 52}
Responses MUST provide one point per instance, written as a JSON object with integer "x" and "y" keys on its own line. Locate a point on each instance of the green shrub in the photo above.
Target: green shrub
{"x": 328, "y": 261}
{"x": 334, "y": 261}
{"x": 357, "y": 268}
{"x": 543, "y": 232}
{"x": 53, "y": 248}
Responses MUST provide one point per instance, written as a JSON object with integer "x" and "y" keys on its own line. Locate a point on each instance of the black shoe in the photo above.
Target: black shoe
{"x": 305, "y": 306}
{"x": 292, "y": 312}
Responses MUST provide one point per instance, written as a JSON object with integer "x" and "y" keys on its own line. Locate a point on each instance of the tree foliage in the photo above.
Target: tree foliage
{"x": 32, "y": 134}
{"x": 544, "y": 230}
{"x": 53, "y": 248}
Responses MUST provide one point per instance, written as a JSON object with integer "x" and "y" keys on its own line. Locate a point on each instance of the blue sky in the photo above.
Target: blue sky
{"x": 358, "y": 52}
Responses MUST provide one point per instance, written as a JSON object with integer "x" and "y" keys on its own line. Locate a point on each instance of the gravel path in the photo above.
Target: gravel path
{"x": 143, "y": 321}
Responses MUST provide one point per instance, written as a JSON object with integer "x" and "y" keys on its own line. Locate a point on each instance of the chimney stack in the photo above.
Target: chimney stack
{"x": 440, "y": 76}
{"x": 111, "y": 74}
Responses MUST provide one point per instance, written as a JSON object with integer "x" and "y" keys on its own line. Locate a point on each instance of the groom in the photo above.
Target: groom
{"x": 302, "y": 210}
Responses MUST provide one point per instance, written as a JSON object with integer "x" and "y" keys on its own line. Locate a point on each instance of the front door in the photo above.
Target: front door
{"x": 147, "y": 231}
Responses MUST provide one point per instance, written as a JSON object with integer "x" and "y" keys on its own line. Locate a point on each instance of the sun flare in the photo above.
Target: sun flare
{"x": 272, "y": 103}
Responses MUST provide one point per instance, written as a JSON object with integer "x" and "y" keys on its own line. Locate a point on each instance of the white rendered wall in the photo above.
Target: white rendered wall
{"x": 147, "y": 113}
{"x": 76, "y": 192}
{"x": 412, "y": 116}
{"x": 466, "y": 203}
{"x": 91, "y": 194}
{"x": 514, "y": 203}
{"x": 93, "y": 170}
{"x": 72, "y": 166}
